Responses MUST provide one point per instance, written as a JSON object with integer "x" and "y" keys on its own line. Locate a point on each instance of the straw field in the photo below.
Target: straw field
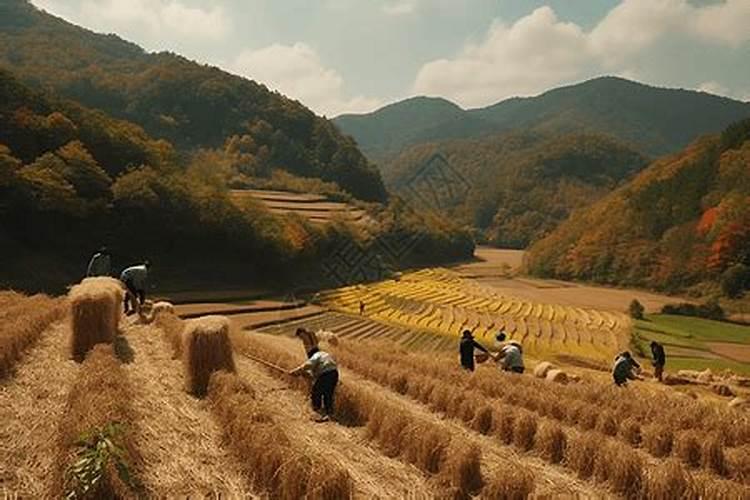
{"x": 204, "y": 408}
{"x": 440, "y": 303}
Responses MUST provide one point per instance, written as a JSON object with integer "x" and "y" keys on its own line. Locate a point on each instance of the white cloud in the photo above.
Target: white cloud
{"x": 297, "y": 72}
{"x": 400, "y": 7}
{"x": 540, "y": 51}
{"x": 160, "y": 19}
{"x": 533, "y": 54}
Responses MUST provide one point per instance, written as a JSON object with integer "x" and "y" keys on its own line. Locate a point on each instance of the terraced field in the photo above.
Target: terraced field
{"x": 316, "y": 208}
{"x": 442, "y": 303}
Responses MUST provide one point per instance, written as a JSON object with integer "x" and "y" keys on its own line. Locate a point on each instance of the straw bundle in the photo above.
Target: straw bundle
{"x": 657, "y": 439}
{"x": 541, "y": 370}
{"x": 524, "y": 431}
{"x": 669, "y": 480}
{"x": 712, "y": 455}
{"x": 551, "y": 441}
{"x": 482, "y": 422}
{"x": 581, "y": 454}
{"x": 172, "y": 328}
{"x": 461, "y": 470}
{"x": 630, "y": 431}
{"x": 607, "y": 424}
{"x": 688, "y": 448}
{"x": 205, "y": 349}
{"x": 95, "y": 314}
{"x": 513, "y": 483}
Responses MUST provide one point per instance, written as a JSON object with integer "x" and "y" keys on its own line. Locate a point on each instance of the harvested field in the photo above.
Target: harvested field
{"x": 737, "y": 352}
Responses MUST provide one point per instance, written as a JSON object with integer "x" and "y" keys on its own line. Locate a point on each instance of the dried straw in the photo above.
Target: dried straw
{"x": 206, "y": 348}
{"x": 95, "y": 314}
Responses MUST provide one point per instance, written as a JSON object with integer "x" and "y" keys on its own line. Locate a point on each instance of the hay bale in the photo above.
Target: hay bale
{"x": 688, "y": 448}
{"x": 739, "y": 403}
{"x": 557, "y": 376}
{"x": 669, "y": 480}
{"x": 95, "y": 305}
{"x": 690, "y": 374}
{"x": 541, "y": 370}
{"x": 705, "y": 377}
{"x": 551, "y": 442}
{"x": 205, "y": 348}
{"x": 722, "y": 390}
{"x": 712, "y": 455}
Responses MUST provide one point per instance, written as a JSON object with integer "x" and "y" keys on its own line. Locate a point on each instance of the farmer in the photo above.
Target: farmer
{"x": 135, "y": 279}
{"x": 510, "y": 357}
{"x": 466, "y": 349}
{"x": 622, "y": 370}
{"x": 361, "y": 307}
{"x": 100, "y": 264}
{"x": 660, "y": 359}
{"x": 322, "y": 368}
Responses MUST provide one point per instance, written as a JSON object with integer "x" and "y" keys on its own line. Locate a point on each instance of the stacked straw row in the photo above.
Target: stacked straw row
{"x": 22, "y": 321}
{"x": 401, "y": 433}
{"x": 101, "y": 396}
{"x": 250, "y": 429}
{"x": 621, "y": 466}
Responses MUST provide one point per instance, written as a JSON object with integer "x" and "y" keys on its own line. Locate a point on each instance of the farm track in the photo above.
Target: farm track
{"x": 32, "y": 403}
{"x": 374, "y": 475}
{"x": 180, "y": 442}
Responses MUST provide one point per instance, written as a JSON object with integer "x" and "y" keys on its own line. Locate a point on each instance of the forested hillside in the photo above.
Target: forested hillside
{"x": 72, "y": 179}
{"x": 652, "y": 120}
{"x": 683, "y": 221}
{"x": 520, "y": 186}
{"x": 172, "y": 98}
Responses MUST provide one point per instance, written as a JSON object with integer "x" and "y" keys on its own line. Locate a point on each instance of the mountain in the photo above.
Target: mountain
{"x": 513, "y": 188}
{"x": 391, "y": 128}
{"x": 189, "y": 104}
{"x": 73, "y": 178}
{"x": 654, "y": 121}
{"x": 683, "y": 221}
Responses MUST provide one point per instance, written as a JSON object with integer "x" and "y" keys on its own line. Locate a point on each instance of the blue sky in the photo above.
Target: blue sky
{"x": 356, "y": 55}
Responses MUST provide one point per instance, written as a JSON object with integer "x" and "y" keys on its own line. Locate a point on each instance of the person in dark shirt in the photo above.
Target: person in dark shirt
{"x": 466, "y": 349}
{"x": 660, "y": 359}
{"x": 624, "y": 367}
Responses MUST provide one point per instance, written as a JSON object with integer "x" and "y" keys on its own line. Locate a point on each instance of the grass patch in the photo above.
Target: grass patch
{"x": 692, "y": 333}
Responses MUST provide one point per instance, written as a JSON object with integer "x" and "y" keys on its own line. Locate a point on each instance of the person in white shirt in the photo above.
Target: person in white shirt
{"x": 510, "y": 357}
{"x": 135, "y": 279}
{"x": 322, "y": 368}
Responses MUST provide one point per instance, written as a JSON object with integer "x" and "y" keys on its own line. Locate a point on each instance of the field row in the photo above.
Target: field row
{"x": 444, "y": 304}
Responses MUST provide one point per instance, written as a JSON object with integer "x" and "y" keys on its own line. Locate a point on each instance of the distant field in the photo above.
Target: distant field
{"x": 696, "y": 343}
{"x": 494, "y": 268}
{"x": 316, "y": 208}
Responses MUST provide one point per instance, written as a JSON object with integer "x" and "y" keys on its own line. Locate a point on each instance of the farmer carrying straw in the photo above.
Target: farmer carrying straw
{"x": 623, "y": 368}
{"x": 100, "y": 264}
{"x": 660, "y": 359}
{"x": 135, "y": 279}
{"x": 466, "y": 350}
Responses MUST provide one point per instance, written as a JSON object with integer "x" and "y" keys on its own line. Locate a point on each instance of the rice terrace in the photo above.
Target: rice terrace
{"x": 210, "y": 289}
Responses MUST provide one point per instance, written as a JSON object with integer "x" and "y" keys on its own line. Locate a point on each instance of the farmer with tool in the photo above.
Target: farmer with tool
{"x": 135, "y": 279}
{"x": 660, "y": 359}
{"x": 466, "y": 350}
{"x": 623, "y": 369}
{"x": 100, "y": 264}
{"x": 510, "y": 357}
{"x": 321, "y": 367}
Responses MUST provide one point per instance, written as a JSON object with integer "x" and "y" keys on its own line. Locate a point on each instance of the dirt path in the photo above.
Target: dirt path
{"x": 179, "y": 440}
{"x": 551, "y": 480}
{"x": 374, "y": 475}
{"x": 32, "y": 403}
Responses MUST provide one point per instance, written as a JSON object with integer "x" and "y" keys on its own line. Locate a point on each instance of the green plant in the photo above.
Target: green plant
{"x": 636, "y": 309}
{"x": 98, "y": 450}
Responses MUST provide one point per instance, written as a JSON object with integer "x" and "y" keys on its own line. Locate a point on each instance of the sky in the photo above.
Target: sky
{"x": 354, "y": 56}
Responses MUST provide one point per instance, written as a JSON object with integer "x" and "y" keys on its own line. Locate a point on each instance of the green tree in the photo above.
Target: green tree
{"x": 735, "y": 280}
{"x": 636, "y": 309}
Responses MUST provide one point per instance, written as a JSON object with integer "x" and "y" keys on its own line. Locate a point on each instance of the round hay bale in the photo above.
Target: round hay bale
{"x": 557, "y": 376}
{"x": 706, "y": 376}
{"x": 740, "y": 403}
{"x": 542, "y": 369}
{"x": 691, "y": 374}
{"x": 722, "y": 390}
{"x": 205, "y": 349}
